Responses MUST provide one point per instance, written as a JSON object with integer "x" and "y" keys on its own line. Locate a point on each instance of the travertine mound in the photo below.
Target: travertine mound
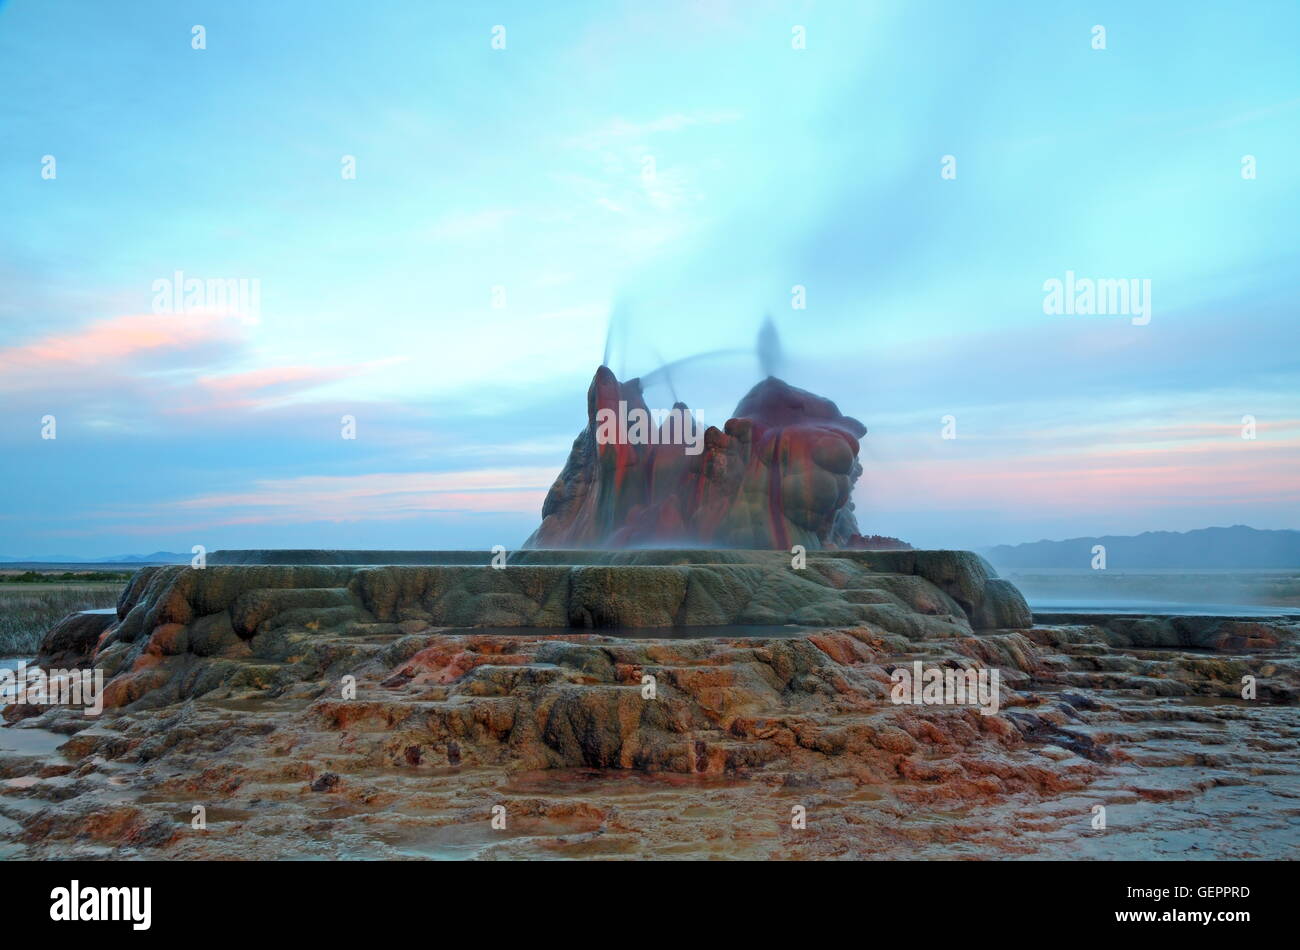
{"x": 182, "y": 632}
{"x": 321, "y": 556}
{"x": 557, "y": 729}
{"x": 325, "y": 711}
{"x": 1194, "y": 632}
{"x": 70, "y": 643}
{"x": 780, "y": 472}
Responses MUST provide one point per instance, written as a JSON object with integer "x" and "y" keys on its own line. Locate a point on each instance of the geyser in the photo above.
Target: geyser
{"x": 780, "y": 472}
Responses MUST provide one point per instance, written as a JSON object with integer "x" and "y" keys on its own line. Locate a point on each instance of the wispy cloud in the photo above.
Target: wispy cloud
{"x": 165, "y": 364}
{"x": 1090, "y": 482}
{"x": 376, "y": 496}
{"x": 619, "y": 131}
{"x": 270, "y": 385}
{"x": 129, "y": 339}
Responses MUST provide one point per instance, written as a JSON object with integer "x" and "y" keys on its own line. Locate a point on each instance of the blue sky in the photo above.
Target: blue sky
{"x": 525, "y": 169}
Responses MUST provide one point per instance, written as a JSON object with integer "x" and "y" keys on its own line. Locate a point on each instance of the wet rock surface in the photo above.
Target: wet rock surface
{"x": 334, "y": 712}
{"x": 779, "y": 472}
{"x": 71, "y": 642}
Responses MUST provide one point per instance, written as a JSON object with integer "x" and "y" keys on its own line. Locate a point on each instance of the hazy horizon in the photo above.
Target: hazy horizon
{"x": 681, "y": 170}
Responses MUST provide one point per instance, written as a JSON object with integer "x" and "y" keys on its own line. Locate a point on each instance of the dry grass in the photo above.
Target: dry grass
{"x": 28, "y": 611}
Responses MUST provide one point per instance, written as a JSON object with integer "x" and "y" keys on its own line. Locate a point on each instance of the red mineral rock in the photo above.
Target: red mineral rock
{"x": 780, "y": 472}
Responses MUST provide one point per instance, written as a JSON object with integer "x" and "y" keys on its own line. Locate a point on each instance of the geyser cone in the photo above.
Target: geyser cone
{"x": 780, "y": 472}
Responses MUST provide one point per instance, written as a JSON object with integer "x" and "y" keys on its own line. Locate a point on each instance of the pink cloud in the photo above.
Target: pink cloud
{"x": 119, "y": 337}
{"x": 111, "y": 357}
{"x": 255, "y": 389}
{"x": 117, "y": 340}
{"x": 378, "y": 496}
{"x": 1208, "y": 474}
{"x": 1173, "y": 432}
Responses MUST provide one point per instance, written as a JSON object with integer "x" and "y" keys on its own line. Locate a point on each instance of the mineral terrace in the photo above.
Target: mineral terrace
{"x": 665, "y": 703}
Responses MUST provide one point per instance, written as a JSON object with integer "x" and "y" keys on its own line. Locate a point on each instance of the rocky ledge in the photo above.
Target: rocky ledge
{"x": 653, "y": 703}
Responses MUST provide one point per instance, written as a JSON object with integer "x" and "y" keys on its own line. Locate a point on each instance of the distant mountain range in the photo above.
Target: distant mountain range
{"x": 158, "y": 557}
{"x": 1238, "y": 547}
